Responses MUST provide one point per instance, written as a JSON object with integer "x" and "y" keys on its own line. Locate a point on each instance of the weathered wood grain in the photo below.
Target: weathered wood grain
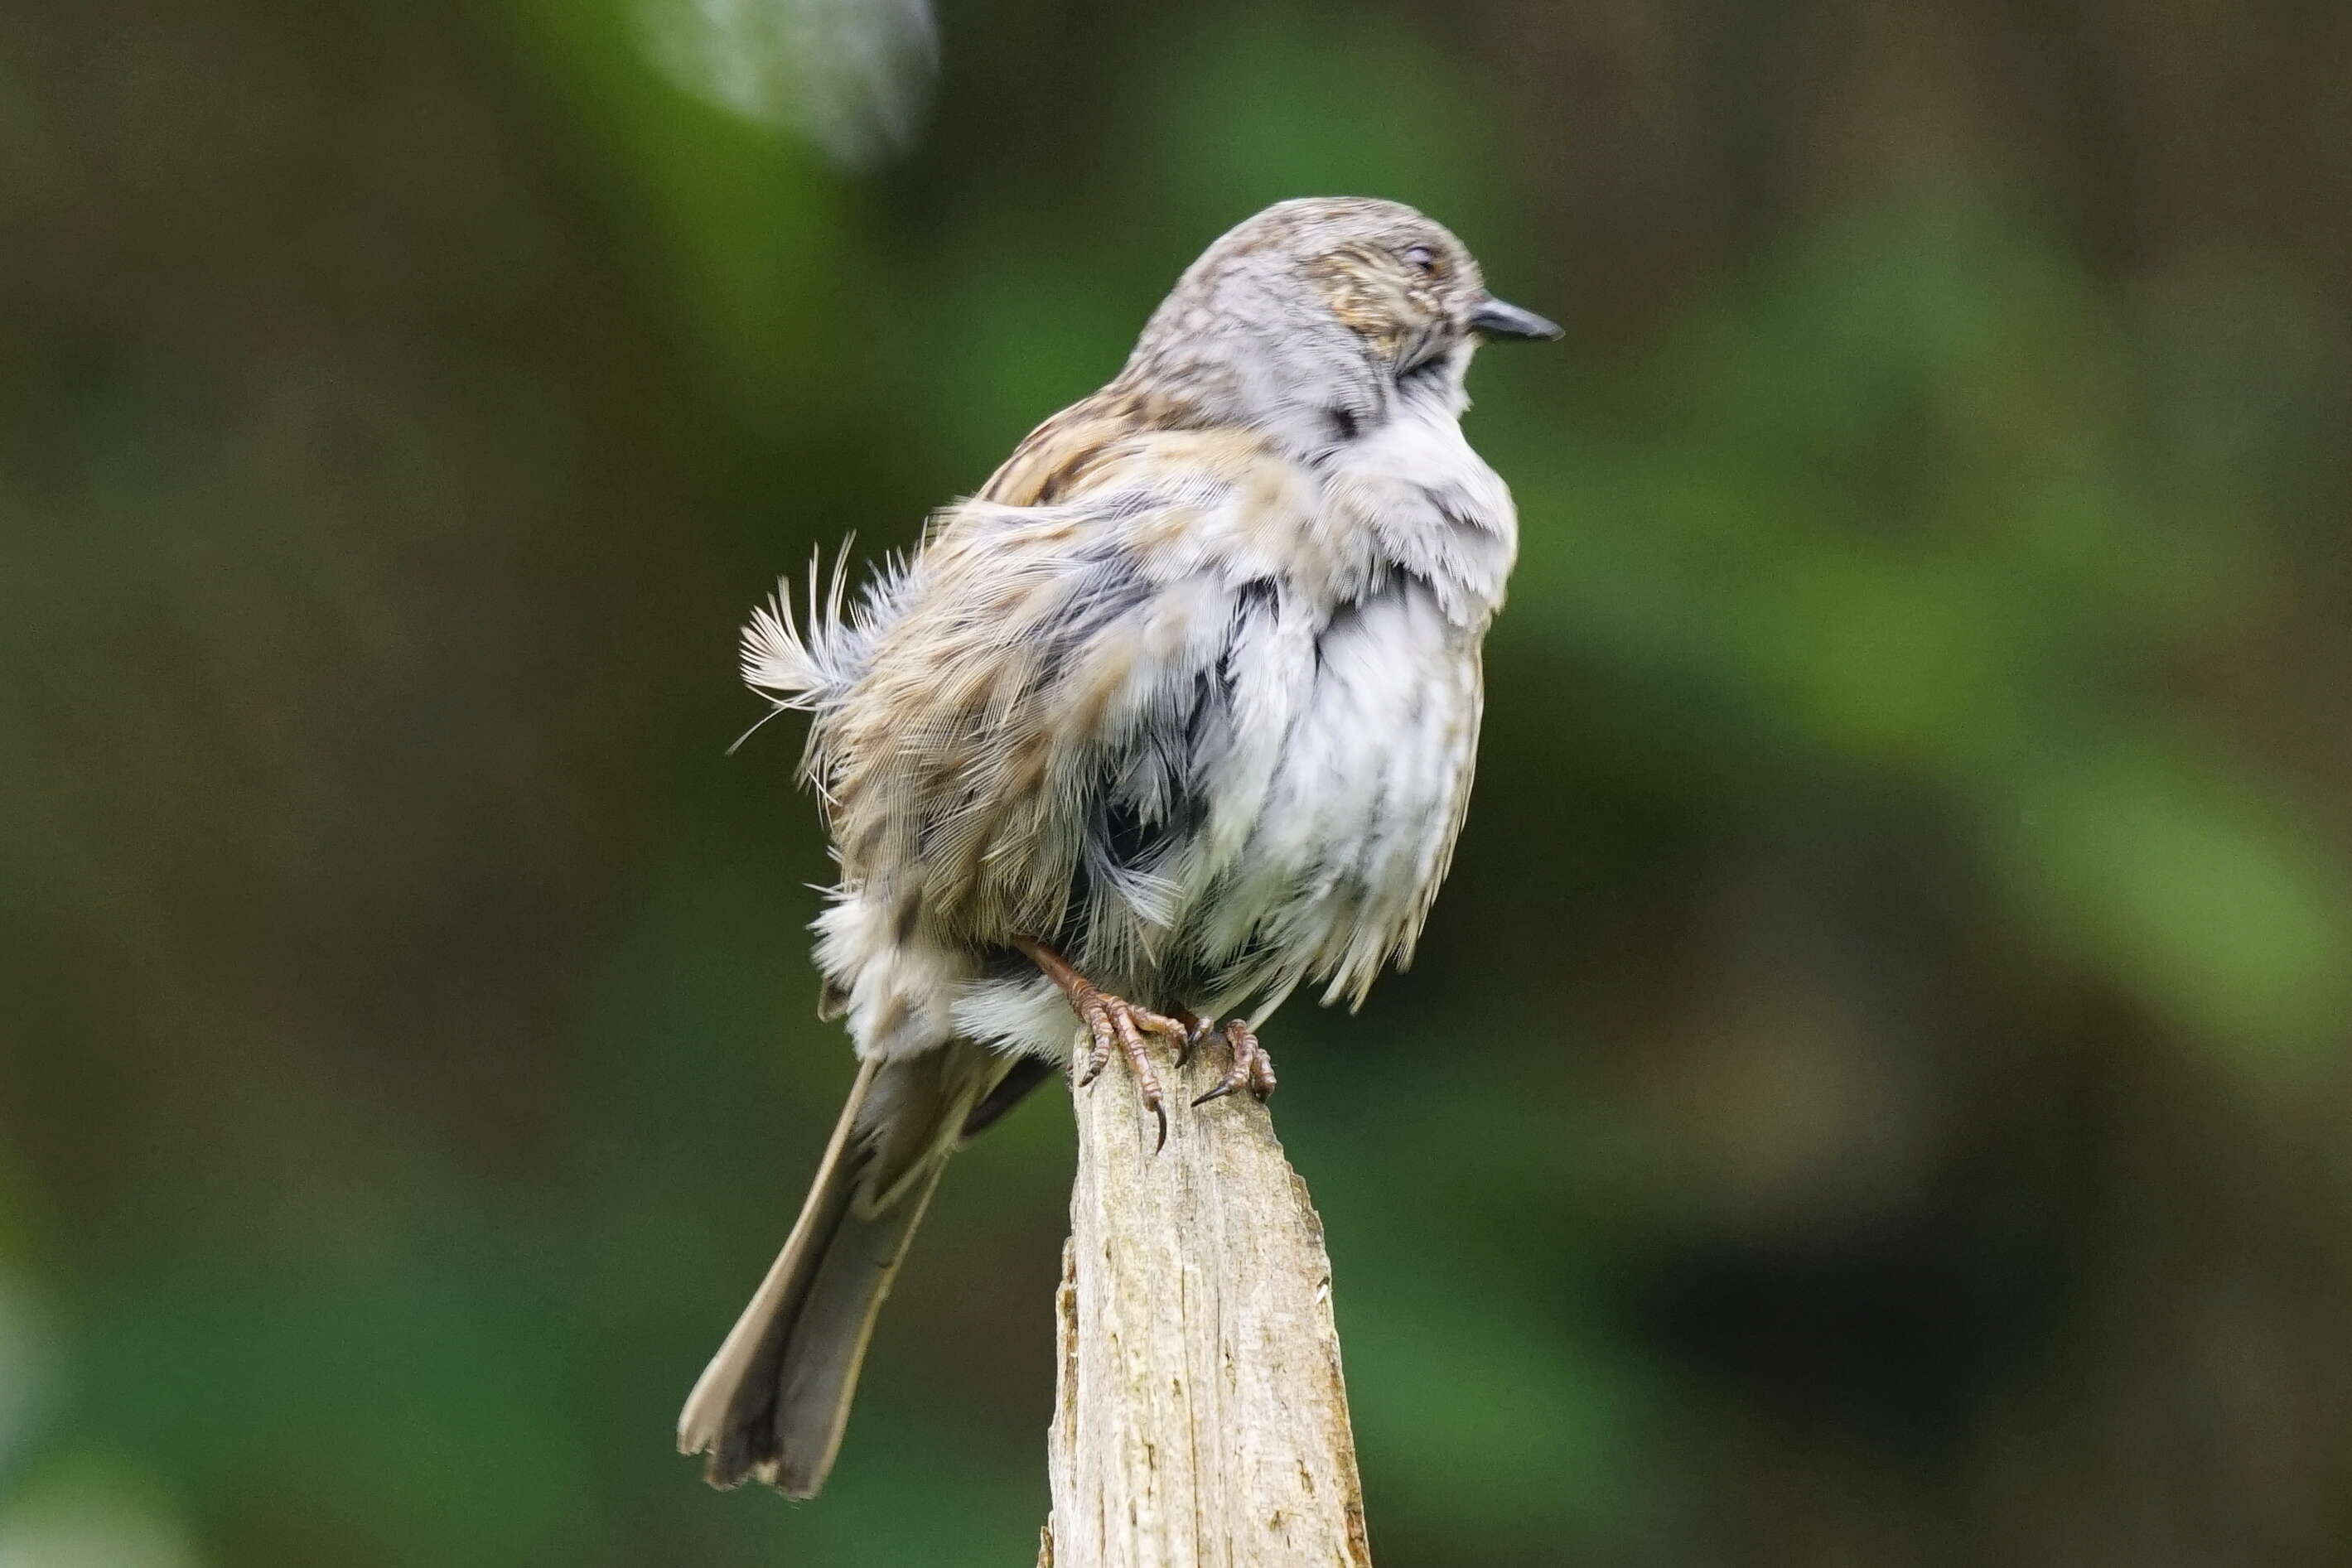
{"x": 1200, "y": 1419}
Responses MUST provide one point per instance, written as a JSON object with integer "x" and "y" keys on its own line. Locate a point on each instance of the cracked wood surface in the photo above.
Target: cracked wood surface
{"x": 1200, "y": 1417}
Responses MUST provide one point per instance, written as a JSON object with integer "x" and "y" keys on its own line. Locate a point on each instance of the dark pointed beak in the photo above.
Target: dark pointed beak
{"x": 1497, "y": 320}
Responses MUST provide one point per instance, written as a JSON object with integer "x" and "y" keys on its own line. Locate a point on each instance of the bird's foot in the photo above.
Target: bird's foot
{"x": 1252, "y": 1069}
{"x": 1113, "y": 1023}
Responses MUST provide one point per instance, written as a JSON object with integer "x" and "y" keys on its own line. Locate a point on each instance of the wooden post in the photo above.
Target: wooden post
{"x": 1200, "y": 1418}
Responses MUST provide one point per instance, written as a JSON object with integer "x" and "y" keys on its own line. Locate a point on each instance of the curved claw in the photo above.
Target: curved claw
{"x": 1262, "y": 1080}
{"x": 1196, "y": 1029}
{"x": 1252, "y": 1068}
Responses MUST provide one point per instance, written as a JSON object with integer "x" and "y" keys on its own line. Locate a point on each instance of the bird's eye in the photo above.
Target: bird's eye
{"x": 1422, "y": 259}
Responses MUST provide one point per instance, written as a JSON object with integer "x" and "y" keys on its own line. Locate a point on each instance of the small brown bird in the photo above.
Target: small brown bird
{"x": 1177, "y": 713}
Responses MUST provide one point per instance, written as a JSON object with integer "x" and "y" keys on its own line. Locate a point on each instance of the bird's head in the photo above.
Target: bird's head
{"x": 1327, "y": 306}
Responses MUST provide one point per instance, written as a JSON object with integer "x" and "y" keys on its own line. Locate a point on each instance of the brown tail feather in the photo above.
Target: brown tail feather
{"x": 772, "y": 1403}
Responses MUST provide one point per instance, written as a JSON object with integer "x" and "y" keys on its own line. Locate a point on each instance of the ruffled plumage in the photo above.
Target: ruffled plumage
{"x": 1189, "y": 695}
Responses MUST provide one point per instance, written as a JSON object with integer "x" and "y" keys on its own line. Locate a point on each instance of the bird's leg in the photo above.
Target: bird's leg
{"x": 1253, "y": 1069}
{"x": 1112, "y": 1022}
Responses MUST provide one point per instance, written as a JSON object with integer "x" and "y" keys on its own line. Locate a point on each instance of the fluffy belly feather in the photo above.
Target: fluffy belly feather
{"x": 1358, "y": 817}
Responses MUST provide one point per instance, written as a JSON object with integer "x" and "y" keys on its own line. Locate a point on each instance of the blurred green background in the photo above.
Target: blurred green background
{"x": 1874, "y": 1090}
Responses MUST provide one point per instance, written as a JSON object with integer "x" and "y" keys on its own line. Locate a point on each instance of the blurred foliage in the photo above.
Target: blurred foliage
{"x": 1875, "y": 1088}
